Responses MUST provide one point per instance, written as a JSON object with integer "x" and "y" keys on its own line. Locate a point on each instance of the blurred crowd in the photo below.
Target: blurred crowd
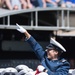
{"x": 23, "y": 70}
{"x": 25, "y": 4}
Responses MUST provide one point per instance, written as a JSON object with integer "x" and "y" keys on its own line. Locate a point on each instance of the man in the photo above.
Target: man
{"x": 50, "y": 58}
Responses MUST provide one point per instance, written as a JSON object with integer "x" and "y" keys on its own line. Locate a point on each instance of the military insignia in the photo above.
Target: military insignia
{"x": 63, "y": 60}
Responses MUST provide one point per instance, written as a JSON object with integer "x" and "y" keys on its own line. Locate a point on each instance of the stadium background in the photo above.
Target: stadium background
{"x": 12, "y": 56}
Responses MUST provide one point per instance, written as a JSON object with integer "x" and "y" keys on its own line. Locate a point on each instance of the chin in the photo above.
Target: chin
{"x": 49, "y": 57}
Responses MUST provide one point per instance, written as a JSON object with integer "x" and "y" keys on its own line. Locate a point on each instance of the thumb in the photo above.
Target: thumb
{"x": 19, "y": 30}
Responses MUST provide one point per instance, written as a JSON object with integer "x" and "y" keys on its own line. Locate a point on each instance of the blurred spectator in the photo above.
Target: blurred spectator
{"x": 73, "y": 3}
{"x": 13, "y": 4}
{"x": 59, "y": 2}
{"x": 53, "y": 3}
{"x": 41, "y": 3}
{"x": 68, "y": 3}
{"x": 62, "y": 3}
{"x": 23, "y": 4}
{"x": 37, "y": 3}
{"x": 1, "y": 3}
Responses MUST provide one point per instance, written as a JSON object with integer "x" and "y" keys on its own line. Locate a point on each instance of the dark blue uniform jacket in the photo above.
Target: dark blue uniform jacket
{"x": 54, "y": 67}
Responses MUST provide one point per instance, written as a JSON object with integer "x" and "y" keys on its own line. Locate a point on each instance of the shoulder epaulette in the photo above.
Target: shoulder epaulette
{"x": 63, "y": 60}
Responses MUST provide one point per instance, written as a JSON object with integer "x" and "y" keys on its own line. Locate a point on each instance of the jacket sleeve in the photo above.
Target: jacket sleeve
{"x": 63, "y": 70}
{"x": 36, "y": 47}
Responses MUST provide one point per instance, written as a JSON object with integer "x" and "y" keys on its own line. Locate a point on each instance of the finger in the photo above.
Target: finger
{"x": 18, "y": 29}
{"x": 17, "y": 24}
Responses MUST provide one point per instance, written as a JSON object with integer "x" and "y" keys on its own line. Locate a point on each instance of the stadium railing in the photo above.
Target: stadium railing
{"x": 7, "y": 13}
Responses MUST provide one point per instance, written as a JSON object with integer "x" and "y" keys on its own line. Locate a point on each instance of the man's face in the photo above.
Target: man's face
{"x": 52, "y": 54}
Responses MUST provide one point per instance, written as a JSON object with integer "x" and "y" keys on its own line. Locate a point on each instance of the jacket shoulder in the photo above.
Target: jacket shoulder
{"x": 63, "y": 60}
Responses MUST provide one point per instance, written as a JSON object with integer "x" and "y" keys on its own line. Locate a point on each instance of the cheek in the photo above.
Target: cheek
{"x": 51, "y": 53}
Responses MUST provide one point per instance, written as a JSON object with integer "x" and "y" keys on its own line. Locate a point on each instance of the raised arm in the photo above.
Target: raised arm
{"x": 33, "y": 43}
